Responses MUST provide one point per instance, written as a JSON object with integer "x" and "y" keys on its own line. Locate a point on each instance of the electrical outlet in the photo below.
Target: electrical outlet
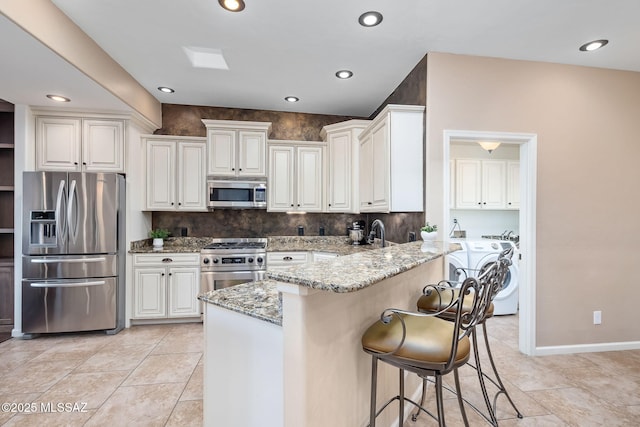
{"x": 597, "y": 317}
{"x": 455, "y": 220}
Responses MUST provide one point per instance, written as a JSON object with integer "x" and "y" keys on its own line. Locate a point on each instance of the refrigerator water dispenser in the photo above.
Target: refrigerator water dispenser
{"x": 43, "y": 228}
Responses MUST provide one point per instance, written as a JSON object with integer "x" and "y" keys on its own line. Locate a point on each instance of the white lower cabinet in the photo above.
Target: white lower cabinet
{"x": 322, "y": 256}
{"x": 166, "y": 286}
{"x": 282, "y": 260}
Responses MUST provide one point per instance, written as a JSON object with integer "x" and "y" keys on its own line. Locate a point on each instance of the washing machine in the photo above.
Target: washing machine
{"x": 457, "y": 262}
{"x": 481, "y": 253}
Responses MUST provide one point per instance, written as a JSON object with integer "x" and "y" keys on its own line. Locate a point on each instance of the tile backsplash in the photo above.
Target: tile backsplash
{"x": 260, "y": 223}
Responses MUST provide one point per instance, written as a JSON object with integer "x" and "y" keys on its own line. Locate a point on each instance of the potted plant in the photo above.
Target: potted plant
{"x": 158, "y": 235}
{"x": 429, "y": 232}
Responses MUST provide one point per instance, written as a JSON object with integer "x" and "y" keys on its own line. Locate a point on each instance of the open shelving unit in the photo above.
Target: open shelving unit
{"x": 7, "y": 221}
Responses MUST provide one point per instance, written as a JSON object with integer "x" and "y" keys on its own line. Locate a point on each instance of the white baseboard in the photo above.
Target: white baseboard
{"x": 587, "y": 348}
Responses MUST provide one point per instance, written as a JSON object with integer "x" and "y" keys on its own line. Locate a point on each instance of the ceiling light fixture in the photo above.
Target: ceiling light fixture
{"x": 594, "y": 45}
{"x": 291, "y": 98}
{"x": 232, "y": 5}
{"x": 370, "y": 19}
{"x": 58, "y": 98}
{"x": 344, "y": 74}
{"x": 489, "y": 145}
{"x": 165, "y": 89}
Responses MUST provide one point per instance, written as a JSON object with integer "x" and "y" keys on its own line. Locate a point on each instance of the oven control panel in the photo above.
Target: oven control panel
{"x": 236, "y": 262}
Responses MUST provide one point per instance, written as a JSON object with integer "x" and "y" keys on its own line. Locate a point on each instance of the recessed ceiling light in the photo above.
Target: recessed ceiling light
{"x": 291, "y": 98}
{"x": 344, "y": 74}
{"x": 58, "y": 98}
{"x": 594, "y": 45}
{"x": 370, "y": 19}
{"x": 232, "y": 5}
{"x": 165, "y": 89}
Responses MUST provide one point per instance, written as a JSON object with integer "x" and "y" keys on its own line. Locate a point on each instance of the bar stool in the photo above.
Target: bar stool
{"x": 429, "y": 303}
{"x": 426, "y": 344}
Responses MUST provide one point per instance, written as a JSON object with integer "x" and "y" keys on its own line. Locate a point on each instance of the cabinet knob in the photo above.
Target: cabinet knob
{"x": 369, "y": 203}
{"x": 179, "y": 203}
{"x": 240, "y": 169}
{"x": 233, "y": 169}
{"x": 75, "y": 163}
{"x": 509, "y": 202}
{"x": 84, "y": 163}
{"x": 162, "y": 274}
{"x": 298, "y": 204}
{"x": 329, "y": 204}
{"x": 291, "y": 204}
{"x": 479, "y": 203}
{"x": 484, "y": 203}
{"x": 170, "y": 274}
{"x": 172, "y": 203}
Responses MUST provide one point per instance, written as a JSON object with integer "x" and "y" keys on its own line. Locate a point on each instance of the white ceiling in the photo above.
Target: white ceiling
{"x": 276, "y": 48}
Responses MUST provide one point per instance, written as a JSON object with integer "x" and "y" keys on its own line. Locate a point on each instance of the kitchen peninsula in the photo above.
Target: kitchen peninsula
{"x": 286, "y": 351}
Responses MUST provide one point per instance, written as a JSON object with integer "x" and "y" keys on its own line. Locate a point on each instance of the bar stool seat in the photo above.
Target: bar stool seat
{"x": 426, "y": 344}
{"x": 440, "y": 304}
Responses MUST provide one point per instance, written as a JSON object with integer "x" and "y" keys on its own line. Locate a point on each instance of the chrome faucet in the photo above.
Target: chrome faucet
{"x": 372, "y": 235}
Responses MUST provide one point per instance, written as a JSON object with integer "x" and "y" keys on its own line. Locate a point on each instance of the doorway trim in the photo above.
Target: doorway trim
{"x": 528, "y": 143}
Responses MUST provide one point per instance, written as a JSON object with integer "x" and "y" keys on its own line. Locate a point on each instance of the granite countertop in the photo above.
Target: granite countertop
{"x": 360, "y": 270}
{"x": 343, "y": 274}
{"x": 171, "y": 245}
{"x": 335, "y": 244}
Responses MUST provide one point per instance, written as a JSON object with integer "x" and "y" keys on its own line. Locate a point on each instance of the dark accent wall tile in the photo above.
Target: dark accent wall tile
{"x": 260, "y": 223}
{"x": 412, "y": 90}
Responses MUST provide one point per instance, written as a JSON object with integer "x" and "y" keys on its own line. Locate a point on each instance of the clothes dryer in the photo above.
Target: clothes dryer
{"x": 481, "y": 253}
{"x": 457, "y": 262}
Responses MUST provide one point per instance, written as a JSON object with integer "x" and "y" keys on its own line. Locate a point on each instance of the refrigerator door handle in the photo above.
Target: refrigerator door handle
{"x": 67, "y": 285}
{"x": 73, "y": 231}
{"x": 68, "y": 261}
{"x": 60, "y": 224}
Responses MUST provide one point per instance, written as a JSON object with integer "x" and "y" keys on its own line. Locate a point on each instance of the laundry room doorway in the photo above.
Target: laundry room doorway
{"x": 522, "y": 149}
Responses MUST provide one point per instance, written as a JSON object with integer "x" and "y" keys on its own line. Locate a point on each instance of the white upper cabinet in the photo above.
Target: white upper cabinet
{"x": 343, "y": 155}
{"x": 513, "y": 184}
{"x": 176, "y": 175}
{"x": 79, "y": 144}
{"x": 480, "y": 184}
{"x": 237, "y": 148}
{"x": 295, "y": 181}
{"x": 391, "y": 161}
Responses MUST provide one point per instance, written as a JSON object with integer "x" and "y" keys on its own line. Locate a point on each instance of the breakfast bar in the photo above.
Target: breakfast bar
{"x": 286, "y": 351}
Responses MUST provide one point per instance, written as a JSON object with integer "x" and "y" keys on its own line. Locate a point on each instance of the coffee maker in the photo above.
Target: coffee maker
{"x": 357, "y": 233}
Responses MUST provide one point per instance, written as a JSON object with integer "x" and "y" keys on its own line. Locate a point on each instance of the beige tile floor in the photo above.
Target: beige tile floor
{"x": 143, "y": 376}
{"x": 587, "y": 389}
{"x": 152, "y": 376}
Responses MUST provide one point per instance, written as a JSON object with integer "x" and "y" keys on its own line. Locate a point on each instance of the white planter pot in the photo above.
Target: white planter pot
{"x": 158, "y": 244}
{"x": 428, "y": 236}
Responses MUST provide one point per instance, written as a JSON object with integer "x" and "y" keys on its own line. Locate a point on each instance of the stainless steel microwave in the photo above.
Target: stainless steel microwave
{"x": 236, "y": 194}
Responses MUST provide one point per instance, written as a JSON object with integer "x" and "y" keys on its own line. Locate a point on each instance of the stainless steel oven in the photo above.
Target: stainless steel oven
{"x": 211, "y": 280}
{"x": 230, "y": 262}
{"x": 236, "y": 194}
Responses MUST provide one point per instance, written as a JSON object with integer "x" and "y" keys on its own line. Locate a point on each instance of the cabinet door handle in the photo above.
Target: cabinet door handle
{"x": 167, "y": 260}
{"x": 287, "y": 258}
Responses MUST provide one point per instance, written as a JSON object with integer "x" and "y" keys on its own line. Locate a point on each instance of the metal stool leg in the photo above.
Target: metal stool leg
{"x": 459, "y": 394}
{"x": 414, "y": 417}
{"x": 481, "y": 375}
{"x": 401, "y": 398}
{"x": 374, "y": 381}
{"x": 498, "y": 380}
{"x": 439, "y": 402}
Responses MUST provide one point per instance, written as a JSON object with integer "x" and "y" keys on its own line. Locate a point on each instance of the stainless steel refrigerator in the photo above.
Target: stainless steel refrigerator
{"x": 73, "y": 242}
